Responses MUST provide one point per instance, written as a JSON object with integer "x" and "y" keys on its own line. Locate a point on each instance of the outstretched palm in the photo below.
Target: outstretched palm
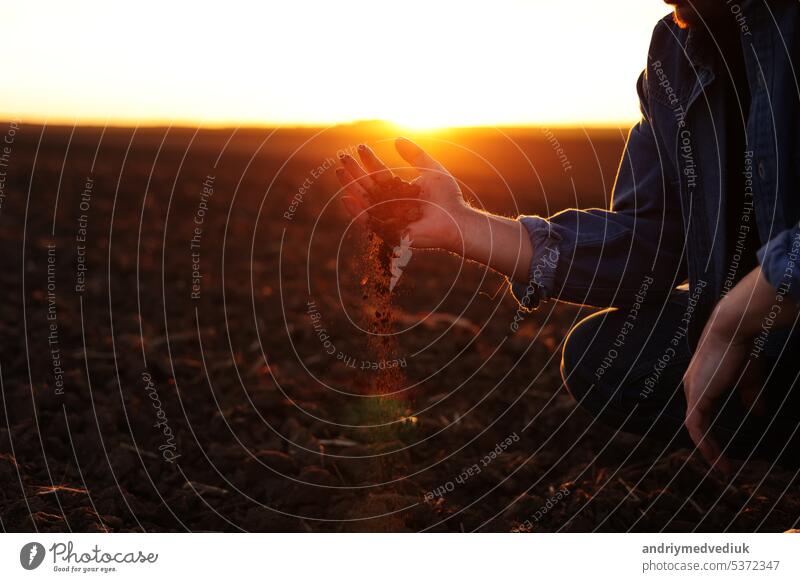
{"x": 442, "y": 199}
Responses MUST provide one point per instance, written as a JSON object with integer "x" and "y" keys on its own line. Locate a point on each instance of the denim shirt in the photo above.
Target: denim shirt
{"x": 666, "y": 223}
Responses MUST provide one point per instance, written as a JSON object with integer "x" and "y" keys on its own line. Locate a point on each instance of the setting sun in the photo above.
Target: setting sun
{"x": 419, "y": 64}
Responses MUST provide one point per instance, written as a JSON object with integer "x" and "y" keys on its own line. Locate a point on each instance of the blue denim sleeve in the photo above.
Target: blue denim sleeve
{"x": 604, "y": 257}
{"x": 779, "y": 262}
{"x": 545, "y": 242}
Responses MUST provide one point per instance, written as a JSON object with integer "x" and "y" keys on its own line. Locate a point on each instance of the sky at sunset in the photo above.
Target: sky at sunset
{"x": 417, "y": 63}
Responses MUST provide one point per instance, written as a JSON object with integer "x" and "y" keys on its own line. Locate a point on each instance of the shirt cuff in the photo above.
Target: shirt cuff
{"x": 780, "y": 262}
{"x": 545, "y": 242}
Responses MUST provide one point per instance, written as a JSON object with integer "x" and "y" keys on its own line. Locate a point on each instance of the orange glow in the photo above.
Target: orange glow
{"x": 421, "y": 64}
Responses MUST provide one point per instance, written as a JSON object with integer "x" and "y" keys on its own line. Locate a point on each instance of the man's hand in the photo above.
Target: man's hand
{"x": 447, "y": 222}
{"x": 721, "y": 361}
{"x": 443, "y": 206}
{"x": 715, "y": 368}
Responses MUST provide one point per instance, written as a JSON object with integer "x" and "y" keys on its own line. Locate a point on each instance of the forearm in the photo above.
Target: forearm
{"x": 500, "y": 243}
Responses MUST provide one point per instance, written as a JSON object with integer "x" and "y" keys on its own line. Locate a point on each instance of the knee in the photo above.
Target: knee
{"x": 580, "y": 362}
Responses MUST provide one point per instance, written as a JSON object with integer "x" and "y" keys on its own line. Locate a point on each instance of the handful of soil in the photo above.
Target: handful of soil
{"x": 394, "y": 205}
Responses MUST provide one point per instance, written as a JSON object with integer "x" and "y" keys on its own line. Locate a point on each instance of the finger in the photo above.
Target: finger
{"x": 354, "y": 209}
{"x": 712, "y": 453}
{"x": 352, "y": 187}
{"x": 700, "y": 432}
{"x": 376, "y": 168}
{"x": 357, "y": 173}
{"x": 416, "y": 156}
{"x": 709, "y": 449}
{"x": 697, "y": 430}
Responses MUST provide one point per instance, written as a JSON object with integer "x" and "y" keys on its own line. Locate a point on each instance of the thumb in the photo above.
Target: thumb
{"x": 416, "y": 156}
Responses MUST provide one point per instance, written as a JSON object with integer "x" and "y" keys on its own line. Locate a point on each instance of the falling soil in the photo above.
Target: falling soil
{"x": 394, "y": 205}
{"x": 382, "y": 343}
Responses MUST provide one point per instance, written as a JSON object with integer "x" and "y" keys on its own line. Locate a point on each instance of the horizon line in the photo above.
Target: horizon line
{"x": 186, "y": 124}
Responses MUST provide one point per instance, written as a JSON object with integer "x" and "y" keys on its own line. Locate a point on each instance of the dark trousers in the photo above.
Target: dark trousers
{"x": 626, "y": 368}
